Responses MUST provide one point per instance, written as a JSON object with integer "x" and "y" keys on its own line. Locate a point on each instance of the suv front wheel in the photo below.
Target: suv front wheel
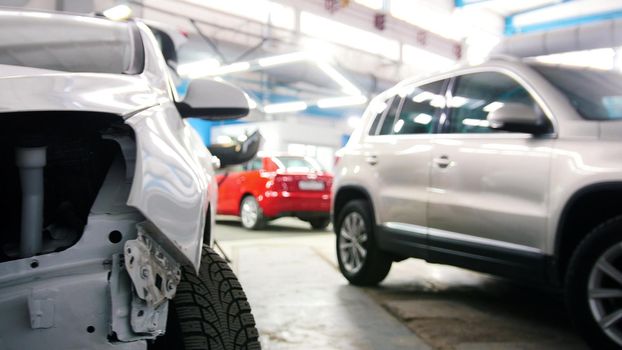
{"x": 360, "y": 259}
{"x": 594, "y": 286}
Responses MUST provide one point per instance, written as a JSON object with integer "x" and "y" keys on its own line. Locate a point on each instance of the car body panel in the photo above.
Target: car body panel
{"x": 487, "y": 191}
{"x": 27, "y": 89}
{"x": 146, "y": 101}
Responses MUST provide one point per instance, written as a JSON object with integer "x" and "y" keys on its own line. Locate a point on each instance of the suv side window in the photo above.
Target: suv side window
{"x": 418, "y": 113}
{"x": 389, "y": 119}
{"x": 380, "y": 107}
{"x": 478, "y": 94}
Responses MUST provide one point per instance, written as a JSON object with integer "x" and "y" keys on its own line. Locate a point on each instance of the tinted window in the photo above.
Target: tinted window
{"x": 478, "y": 94}
{"x": 389, "y": 119}
{"x": 298, "y": 164}
{"x": 595, "y": 94}
{"x": 64, "y": 43}
{"x": 418, "y": 113}
{"x": 379, "y": 108}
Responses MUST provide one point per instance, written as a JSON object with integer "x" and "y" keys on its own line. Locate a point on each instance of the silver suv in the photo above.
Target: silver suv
{"x": 512, "y": 168}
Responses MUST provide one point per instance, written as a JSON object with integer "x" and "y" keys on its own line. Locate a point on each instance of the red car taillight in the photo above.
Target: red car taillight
{"x": 283, "y": 182}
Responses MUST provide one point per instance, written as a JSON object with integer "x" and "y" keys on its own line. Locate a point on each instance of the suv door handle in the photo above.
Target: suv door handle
{"x": 442, "y": 162}
{"x": 372, "y": 159}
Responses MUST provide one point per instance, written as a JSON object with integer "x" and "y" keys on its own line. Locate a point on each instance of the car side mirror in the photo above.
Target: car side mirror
{"x": 518, "y": 117}
{"x": 213, "y": 100}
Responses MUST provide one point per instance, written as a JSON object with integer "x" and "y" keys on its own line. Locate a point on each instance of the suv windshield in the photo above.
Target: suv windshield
{"x": 298, "y": 164}
{"x": 596, "y": 95}
{"x": 64, "y": 43}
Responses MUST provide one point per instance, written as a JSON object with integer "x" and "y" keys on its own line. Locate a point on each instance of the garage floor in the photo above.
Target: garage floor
{"x": 301, "y": 301}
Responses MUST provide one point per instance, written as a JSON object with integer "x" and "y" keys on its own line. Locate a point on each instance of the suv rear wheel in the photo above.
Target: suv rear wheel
{"x": 360, "y": 259}
{"x": 594, "y": 286}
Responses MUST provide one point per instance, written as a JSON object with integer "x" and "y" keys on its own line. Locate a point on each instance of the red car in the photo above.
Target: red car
{"x": 272, "y": 187}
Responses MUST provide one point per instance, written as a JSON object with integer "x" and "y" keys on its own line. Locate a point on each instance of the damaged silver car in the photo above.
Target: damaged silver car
{"x": 108, "y": 195}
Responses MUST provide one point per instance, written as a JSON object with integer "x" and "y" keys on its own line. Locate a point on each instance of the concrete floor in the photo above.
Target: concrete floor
{"x": 301, "y": 301}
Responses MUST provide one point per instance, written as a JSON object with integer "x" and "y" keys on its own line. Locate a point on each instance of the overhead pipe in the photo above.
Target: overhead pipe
{"x": 582, "y": 37}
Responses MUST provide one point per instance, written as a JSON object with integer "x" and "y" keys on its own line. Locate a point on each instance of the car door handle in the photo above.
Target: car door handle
{"x": 442, "y": 162}
{"x": 372, "y": 159}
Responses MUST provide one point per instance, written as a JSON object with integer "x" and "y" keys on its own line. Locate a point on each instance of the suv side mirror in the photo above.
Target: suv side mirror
{"x": 518, "y": 117}
{"x": 213, "y": 100}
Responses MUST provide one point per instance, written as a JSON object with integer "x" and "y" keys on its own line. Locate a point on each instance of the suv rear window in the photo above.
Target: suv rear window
{"x": 595, "y": 94}
{"x": 65, "y": 43}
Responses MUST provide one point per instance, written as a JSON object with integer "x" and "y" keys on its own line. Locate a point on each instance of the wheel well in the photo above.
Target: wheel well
{"x": 586, "y": 210}
{"x": 207, "y": 230}
{"x": 346, "y": 194}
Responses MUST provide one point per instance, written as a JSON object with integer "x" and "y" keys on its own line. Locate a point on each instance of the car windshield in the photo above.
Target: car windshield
{"x": 596, "y": 94}
{"x": 64, "y": 43}
{"x": 299, "y": 164}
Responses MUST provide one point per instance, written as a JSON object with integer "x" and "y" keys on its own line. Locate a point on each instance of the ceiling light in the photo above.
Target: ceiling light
{"x": 346, "y": 85}
{"x": 232, "y": 68}
{"x": 285, "y": 107}
{"x": 118, "y": 13}
{"x": 197, "y": 69}
{"x": 341, "y": 101}
{"x": 283, "y": 59}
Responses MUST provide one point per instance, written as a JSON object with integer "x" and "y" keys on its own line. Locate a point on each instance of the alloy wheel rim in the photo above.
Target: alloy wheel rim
{"x": 249, "y": 213}
{"x": 604, "y": 292}
{"x": 352, "y": 242}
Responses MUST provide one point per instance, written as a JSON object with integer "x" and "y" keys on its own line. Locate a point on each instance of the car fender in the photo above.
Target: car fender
{"x": 173, "y": 181}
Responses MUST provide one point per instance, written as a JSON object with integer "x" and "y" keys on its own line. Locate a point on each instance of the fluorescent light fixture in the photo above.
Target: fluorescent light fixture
{"x": 423, "y": 118}
{"x": 232, "y": 68}
{"x": 341, "y": 101}
{"x": 197, "y": 69}
{"x": 346, "y": 85}
{"x": 118, "y": 13}
{"x": 283, "y": 59}
{"x": 285, "y": 107}
{"x": 596, "y": 59}
{"x": 493, "y": 106}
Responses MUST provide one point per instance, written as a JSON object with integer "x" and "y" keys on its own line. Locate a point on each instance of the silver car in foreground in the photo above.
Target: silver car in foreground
{"x": 512, "y": 168}
{"x": 108, "y": 194}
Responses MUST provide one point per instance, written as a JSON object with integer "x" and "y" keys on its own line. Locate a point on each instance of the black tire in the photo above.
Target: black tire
{"x": 320, "y": 223}
{"x": 209, "y": 311}
{"x": 376, "y": 264}
{"x": 260, "y": 222}
{"x": 585, "y": 257}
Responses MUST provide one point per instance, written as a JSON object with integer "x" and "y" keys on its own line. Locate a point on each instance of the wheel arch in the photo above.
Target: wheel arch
{"x": 585, "y": 210}
{"x": 346, "y": 194}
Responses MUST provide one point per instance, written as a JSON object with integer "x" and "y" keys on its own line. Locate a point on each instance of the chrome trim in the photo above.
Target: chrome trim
{"x": 433, "y": 232}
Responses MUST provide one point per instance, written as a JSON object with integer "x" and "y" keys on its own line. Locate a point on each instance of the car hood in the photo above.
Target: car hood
{"x": 28, "y": 89}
